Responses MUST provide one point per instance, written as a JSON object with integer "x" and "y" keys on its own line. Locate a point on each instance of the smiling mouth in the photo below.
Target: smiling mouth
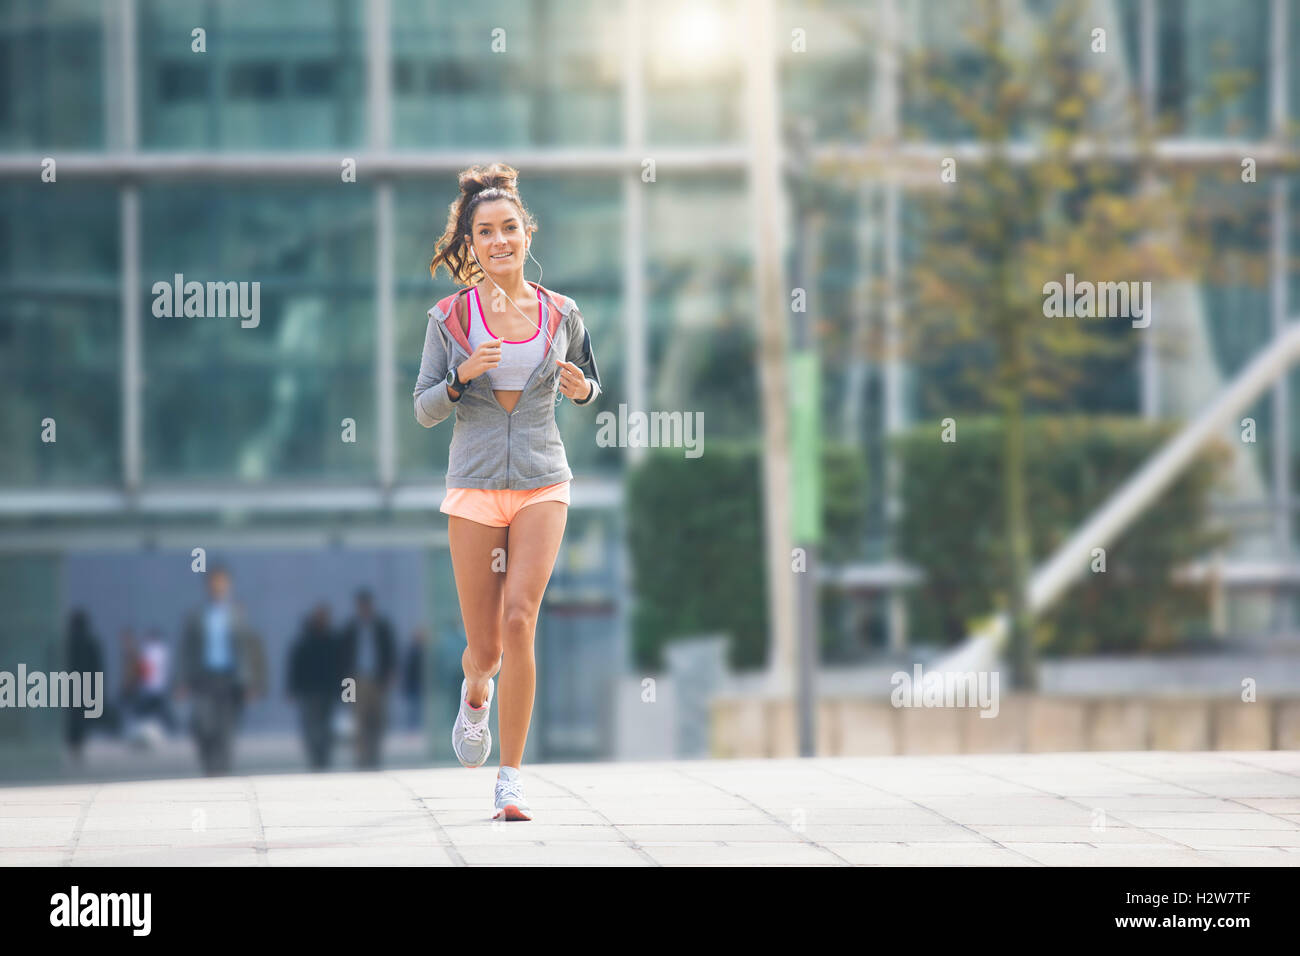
{"x": 502, "y": 255}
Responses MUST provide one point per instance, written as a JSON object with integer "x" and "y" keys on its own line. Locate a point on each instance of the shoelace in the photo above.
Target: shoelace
{"x": 508, "y": 788}
{"x": 473, "y": 731}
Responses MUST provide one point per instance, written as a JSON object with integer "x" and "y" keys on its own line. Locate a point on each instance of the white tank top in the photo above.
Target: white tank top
{"x": 518, "y": 357}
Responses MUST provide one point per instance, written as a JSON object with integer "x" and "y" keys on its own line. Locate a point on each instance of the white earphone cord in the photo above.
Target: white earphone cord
{"x": 540, "y": 314}
{"x": 540, "y": 322}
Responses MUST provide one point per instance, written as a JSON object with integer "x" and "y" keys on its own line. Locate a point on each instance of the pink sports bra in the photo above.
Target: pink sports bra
{"x": 518, "y": 358}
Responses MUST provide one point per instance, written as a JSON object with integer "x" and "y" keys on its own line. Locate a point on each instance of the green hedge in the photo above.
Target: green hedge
{"x": 952, "y": 529}
{"x": 695, "y": 536}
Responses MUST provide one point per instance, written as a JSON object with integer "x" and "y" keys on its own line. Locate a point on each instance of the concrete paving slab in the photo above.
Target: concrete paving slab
{"x": 1113, "y": 808}
{"x": 929, "y": 854}
{"x": 1086, "y": 854}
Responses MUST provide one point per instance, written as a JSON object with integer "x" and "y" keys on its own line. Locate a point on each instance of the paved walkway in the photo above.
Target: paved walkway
{"x": 1126, "y": 809}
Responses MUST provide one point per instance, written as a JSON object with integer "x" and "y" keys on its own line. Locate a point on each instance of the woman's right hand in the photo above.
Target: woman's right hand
{"x": 486, "y": 356}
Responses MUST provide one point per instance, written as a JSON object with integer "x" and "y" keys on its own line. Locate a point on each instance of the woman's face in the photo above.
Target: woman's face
{"x": 498, "y": 238}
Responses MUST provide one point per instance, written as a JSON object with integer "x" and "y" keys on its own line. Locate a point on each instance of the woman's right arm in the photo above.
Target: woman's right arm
{"x": 433, "y": 396}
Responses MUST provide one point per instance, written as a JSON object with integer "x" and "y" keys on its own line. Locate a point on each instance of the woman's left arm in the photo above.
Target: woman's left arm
{"x": 581, "y": 354}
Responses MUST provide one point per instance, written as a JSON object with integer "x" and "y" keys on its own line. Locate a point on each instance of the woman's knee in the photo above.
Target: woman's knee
{"x": 518, "y": 621}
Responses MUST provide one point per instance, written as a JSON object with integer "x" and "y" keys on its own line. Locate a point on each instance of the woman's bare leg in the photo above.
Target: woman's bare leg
{"x": 534, "y": 544}
{"x": 480, "y": 584}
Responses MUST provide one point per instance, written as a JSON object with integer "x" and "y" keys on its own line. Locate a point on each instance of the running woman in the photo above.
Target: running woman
{"x": 501, "y": 353}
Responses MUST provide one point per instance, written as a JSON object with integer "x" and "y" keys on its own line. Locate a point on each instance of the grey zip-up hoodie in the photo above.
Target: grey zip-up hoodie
{"x": 490, "y": 447}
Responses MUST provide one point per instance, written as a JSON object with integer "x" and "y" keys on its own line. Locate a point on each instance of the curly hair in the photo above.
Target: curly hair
{"x": 478, "y": 183}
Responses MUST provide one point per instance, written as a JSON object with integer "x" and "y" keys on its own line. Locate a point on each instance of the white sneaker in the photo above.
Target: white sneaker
{"x": 509, "y": 801}
{"x": 470, "y": 737}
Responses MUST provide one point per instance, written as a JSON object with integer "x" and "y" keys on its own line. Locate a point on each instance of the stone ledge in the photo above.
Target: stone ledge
{"x": 1024, "y": 723}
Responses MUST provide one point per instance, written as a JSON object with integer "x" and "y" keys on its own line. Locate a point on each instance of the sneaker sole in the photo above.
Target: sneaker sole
{"x": 510, "y": 812}
{"x": 487, "y": 752}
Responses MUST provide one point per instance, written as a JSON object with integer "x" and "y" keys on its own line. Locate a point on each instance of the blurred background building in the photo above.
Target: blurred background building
{"x": 225, "y": 165}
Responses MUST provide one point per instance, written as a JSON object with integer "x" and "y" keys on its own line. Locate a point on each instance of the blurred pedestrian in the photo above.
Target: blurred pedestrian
{"x": 222, "y": 667}
{"x": 314, "y": 678}
{"x": 369, "y": 655}
{"x": 413, "y": 676}
{"x": 128, "y": 656}
{"x": 154, "y": 681}
{"x": 83, "y": 655}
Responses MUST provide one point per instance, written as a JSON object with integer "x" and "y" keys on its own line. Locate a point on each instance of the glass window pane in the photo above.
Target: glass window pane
{"x": 507, "y": 74}
{"x": 700, "y": 304}
{"x": 60, "y": 334}
{"x": 286, "y": 76}
{"x": 267, "y": 401}
{"x": 830, "y": 81}
{"x": 694, "y": 73}
{"x": 51, "y": 74}
{"x": 1212, "y": 75}
{"x": 420, "y": 216}
{"x": 939, "y": 54}
{"x": 945, "y": 67}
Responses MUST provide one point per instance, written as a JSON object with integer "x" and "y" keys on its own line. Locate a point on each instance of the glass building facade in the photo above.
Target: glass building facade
{"x": 207, "y": 139}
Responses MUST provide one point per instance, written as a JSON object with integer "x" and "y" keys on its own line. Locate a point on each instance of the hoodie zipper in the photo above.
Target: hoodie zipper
{"x": 524, "y": 391}
{"x": 533, "y": 374}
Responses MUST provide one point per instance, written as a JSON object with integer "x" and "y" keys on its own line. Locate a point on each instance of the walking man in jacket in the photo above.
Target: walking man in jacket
{"x": 369, "y": 656}
{"x": 221, "y": 667}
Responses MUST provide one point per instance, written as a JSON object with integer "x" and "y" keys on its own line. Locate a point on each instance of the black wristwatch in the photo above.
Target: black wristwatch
{"x": 453, "y": 379}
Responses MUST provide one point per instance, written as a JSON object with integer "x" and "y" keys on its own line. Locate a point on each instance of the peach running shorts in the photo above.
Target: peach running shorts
{"x": 497, "y": 507}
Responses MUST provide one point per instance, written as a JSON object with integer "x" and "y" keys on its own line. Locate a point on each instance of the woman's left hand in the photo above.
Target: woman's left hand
{"x": 572, "y": 382}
